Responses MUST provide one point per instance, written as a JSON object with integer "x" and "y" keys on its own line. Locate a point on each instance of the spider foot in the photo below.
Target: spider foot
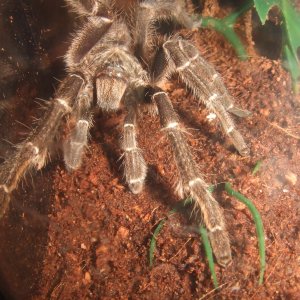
{"x": 221, "y": 247}
{"x": 213, "y": 218}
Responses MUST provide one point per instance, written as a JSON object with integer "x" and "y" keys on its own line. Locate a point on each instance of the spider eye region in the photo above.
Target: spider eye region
{"x": 111, "y": 84}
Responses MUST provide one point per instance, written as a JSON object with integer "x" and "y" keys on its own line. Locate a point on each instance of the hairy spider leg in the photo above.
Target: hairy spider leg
{"x": 135, "y": 168}
{"x": 85, "y": 39}
{"x": 105, "y": 47}
{"x": 191, "y": 183}
{"x": 33, "y": 151}
{"x": 148, "y": 14}
{"x": 119, "y": 81}
{"x": 79, "y": 59}
{"x": 206, "y": 85}
{"x": 211, "y": 78}
{"x": 76, "y": 141}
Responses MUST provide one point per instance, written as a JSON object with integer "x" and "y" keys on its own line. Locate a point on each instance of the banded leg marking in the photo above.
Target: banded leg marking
{"x": 33, "y": 151}
{"x": 191, "y": 182}
{"x": 206, "y": 85}
{"x": 78, "y": 138}
{"x": 134, "y": 163}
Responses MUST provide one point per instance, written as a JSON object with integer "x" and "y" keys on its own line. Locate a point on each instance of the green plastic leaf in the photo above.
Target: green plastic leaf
{"x": 263, "y": 7}
{"x": 291, "y": 30}
{"x": 259, "y": 227}
{"x": 225, "y": 26}
{"x": 293, "y": 66}
{"x": 292, "y": 26}
{"x": 209, "y": 254}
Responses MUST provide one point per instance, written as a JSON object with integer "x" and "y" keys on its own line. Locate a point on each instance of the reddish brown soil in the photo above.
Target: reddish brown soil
{"x": 85, "y": 236}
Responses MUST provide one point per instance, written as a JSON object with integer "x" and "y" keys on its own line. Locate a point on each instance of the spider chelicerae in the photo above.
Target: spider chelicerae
{"x": 122, "y": 60}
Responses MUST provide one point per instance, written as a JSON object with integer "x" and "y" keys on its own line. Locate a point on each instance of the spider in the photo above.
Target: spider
{"x": 122, "y": 61}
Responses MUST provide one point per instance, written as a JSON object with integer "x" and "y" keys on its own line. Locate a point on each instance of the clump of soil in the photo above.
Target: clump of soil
{"x": 83, "y": 235}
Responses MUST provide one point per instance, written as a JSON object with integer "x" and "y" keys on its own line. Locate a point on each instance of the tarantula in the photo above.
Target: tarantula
{"x": 123, "y": 60}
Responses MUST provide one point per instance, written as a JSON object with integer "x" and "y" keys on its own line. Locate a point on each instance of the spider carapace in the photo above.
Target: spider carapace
{"x": 122, "y": 59}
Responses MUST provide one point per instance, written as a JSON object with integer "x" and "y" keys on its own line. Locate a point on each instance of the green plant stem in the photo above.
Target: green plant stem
{"x": 153, "y": 240}
{"x": 259, "y": 227}
{"x": 160, "y": 225}
{"x": 225, "y": 26}
{"x": 209, "y": 254}
{"x": 257, "y": 167}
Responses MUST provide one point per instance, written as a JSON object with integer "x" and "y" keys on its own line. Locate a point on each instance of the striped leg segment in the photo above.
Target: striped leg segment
{"x": 86, "y": 38}
{"x": 134, "y": 163}
{"x": 78, "y": 138}
{"x": 191, "y": 182}
{"x": 206, "y": 85}
{"x": 33, "y": 151}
